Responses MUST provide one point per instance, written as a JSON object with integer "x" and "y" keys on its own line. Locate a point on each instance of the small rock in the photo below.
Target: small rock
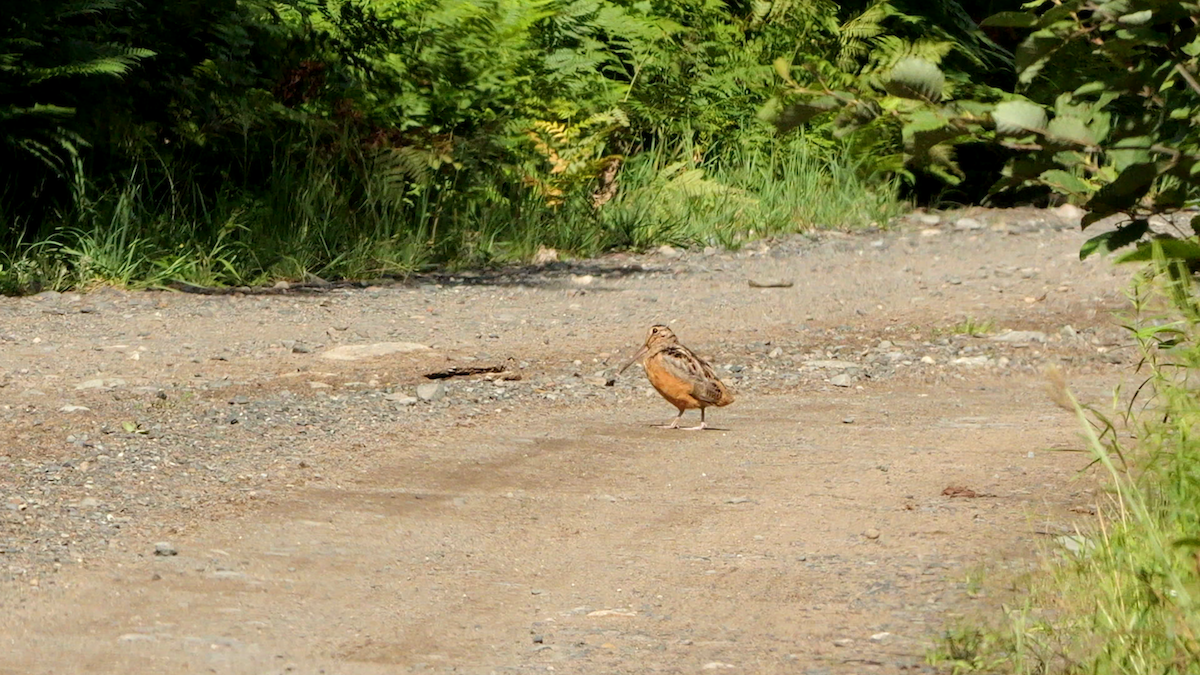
{"x": 74, "y": 408}
{"x": 770, "y": 283}
{"x": 89, "y": 503}
{"x": 359, "y": 352}
{"x": 281, "y": 285}
{"x": 737, "y": 500}
{"x": 831, "y": 364}
{"x": 884, "y": 345}
{"x": 545, "y": 256}
{"x": 871, "y": 533}
{"x": 717, "y": 665}
{"x": 928, "y": 360}
{"x": 1020, "y": 336}
{"x": 775, "y": 353}
{"x": 582, "y": 280}
{"x": 847, "y": 420}
{"x": 930, "y": 232}
{"x": 971, "y": 361}
{"x": 841, "y": 380}
{"x": 432, "y": 391}
{"x": 300, "y": 348}
{"x": 710, "y": 250}
{"x": 668, "y": 251}
{"x": 879, "y": 637}
{"x": 319, "y": 385}
{"x": 968, "y": 224}
{"x": 1076, "y": 543}
{"x": 612, "y": 612}
{"x": 400, "y": 399}
{"x": 844, "y": 642}
{"x": 929, "y": 219}
{"x": 164, "y": 548}
{"x": 90, "y": 384}
{"x": 1069, "y": 212}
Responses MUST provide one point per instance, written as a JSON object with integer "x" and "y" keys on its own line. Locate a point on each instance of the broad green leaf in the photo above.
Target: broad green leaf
{"x": 1010, "y": 20}
{"x": 1114, "y": 239}
{"x": 790, "y": 116}
{"x": 1070, "y": 129}
{"x": 1137, "y": 18}
{"x": 1065, "y": 182}
{"x": 917, "y": 79}
{"x": 1031, "y": 55}
{"x": 1126, "y": 191}
{"x": 1173, "y": 249}
{"x": 1129, "y": 151}
{"x": 1019, "y": 117}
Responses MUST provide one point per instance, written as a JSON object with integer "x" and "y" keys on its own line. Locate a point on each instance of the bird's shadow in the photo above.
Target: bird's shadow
{"x": 667, "y": 427}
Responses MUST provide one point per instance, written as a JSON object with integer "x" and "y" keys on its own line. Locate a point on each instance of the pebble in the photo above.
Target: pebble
{"x": 668, "y": 251}
{"x": 871, "y": 533}
{"x": 164, "y": 548}
{"x": 968, "y": 224}
{"x": 400, "y": 399}
{"x": 360, "y": 352}
{"x": 74, "y": 408}
{"x": 1020, "y": 336}
{"x": 832, "y": 364}
{"x": 929, "y": 218}
{"x": 545, "y": 256}
{"x": 432, "y": 391}
{"x": 841, "y": 380}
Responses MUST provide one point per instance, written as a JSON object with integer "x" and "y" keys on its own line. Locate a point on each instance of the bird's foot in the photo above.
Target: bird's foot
{"x": 673, "y": 425}
{"x": 699, "y": 427}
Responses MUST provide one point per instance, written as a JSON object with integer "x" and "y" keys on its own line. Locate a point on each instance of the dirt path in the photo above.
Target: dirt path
{"x": 317, "y": 519}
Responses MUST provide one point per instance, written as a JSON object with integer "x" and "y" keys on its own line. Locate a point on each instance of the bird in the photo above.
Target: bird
{"x": 681, "y": 377}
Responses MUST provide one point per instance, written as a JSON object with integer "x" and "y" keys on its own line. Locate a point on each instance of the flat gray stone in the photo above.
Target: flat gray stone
{"x": 832, "y": 364}
{"x": 1020, "y": 336}
{"x": 359, "y": 352}
{"x": 432, "y": 391}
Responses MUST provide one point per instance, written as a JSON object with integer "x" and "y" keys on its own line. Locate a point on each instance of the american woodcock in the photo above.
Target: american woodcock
{"x": 683, "y": 378}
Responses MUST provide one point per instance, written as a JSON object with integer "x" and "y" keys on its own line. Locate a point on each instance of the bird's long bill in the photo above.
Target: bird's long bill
{"x": 636, "y": 357}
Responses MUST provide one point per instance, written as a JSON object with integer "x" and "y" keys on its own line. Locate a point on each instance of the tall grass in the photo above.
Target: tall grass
{"x": 1124, "y": 599}
{"x": 343, "y": 217}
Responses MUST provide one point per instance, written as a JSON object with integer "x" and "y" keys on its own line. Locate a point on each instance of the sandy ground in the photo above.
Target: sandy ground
{"x": 188, "y": 484}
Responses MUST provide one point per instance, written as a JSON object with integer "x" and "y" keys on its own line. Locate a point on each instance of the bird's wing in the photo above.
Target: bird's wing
{"x": 685, "y": 365}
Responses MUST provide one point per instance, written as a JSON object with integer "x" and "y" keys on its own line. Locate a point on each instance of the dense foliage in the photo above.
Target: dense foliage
{"x": 222, "y": 141}
{"x": 1104, "y": 111}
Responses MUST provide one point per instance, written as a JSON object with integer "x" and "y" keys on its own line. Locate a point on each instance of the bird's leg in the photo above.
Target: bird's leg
{"x": 675, "y": 422}
{"x": 702, "y": 426}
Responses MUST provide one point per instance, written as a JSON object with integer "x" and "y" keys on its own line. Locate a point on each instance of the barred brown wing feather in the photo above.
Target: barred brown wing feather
{"x": 683, "y": 364}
